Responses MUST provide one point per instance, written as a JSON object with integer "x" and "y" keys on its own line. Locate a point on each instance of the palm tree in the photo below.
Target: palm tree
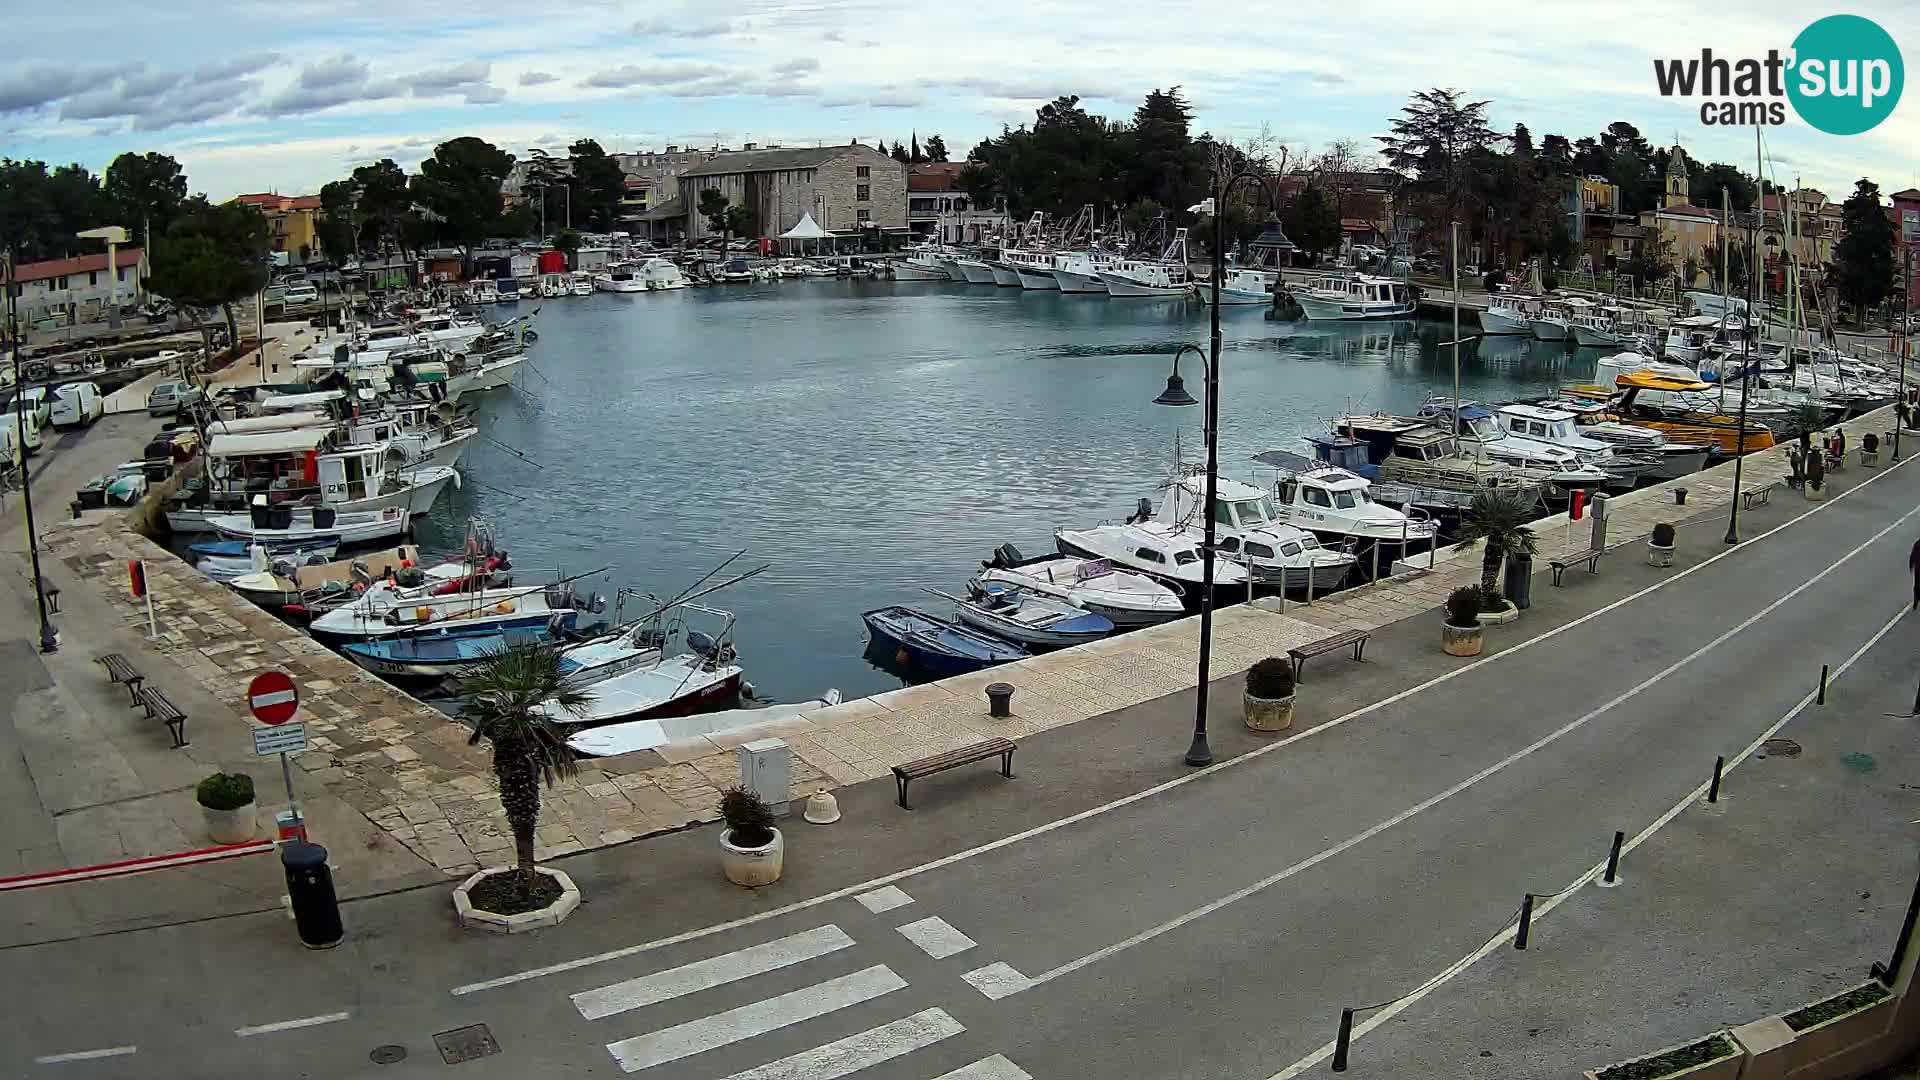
{"x": 505, "y": 693}
{"x": 1500, "y": 519}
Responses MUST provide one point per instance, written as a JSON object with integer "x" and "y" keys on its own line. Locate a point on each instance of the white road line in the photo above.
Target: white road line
{"x": 758, "y": 1018}
{"x": 936, "y": 937}
{"x": 1255, "y": 754}
{"x": 85, "y": 1055}
{"x": 705, "y": 974}
{"x": 988, "y": 1068}
{"x": 886, "y": 899}
{"x": 843, "y": 1057}
{"x": 289, "y": 1025}
{"x": 1593, "y": 872}
{"x": 997, "y": 980}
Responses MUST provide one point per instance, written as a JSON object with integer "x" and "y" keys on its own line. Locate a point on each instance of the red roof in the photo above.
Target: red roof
{"x": 935, "y": 176}
{"x": 1910, "y": 195}
{"x": 53, "y": 268}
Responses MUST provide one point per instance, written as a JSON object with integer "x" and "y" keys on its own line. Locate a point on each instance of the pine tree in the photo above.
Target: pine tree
{"x": 1863, "y": 259}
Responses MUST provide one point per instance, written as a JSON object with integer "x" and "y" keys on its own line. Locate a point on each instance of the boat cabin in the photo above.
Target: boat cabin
{"x": 1534, "y": 422}
{"x": 1400, "y": 437}
{"x": 277, "y": 463}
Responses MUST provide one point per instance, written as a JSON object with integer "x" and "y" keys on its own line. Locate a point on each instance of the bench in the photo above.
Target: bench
{"x": 159, "y": 708}
{"x": 1591, "y": 557}
{"x": 1355, "y": 638}
{"x": 1759, "y": 496}
{"x": 953, "y": 759}
{"x": 122, "y": 672}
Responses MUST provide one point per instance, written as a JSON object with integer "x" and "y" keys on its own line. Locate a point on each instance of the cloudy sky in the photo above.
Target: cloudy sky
{"x": 287, "y": 95}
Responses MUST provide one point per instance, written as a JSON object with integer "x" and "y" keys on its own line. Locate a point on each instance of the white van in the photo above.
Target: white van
{"x": 10, "y": 431}
{"x": 301, "y": 292}
{"x": 76, "y": 404}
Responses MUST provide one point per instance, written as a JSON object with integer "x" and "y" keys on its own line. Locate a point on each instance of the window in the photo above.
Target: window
{"x": 1185, "y": 557}
{"x": 1223, "y": 513}
{"x": 862, "y": 172}
{"x": 1230, "y": 545}
{"x": 1316, "y": 497}
{"x": 864, "y": 216}
{"x": 1259, "y": 551}
{"x": 93, "y": 278}
{"x": 1149, "y": 555}
{"x": 1345, "y": 500}
{"x": 863, "y": 193}
{"x": 1289, "y": 549}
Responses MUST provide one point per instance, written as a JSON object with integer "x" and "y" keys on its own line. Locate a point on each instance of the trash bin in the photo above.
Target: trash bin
{"x": 1517, "y": 585}
{"x": 316, "y": 911}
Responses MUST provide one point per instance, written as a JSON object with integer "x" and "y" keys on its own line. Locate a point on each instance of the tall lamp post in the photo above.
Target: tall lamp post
{"x": 1901, "y": 409}
{"x": 1740, "y": 430}
{"x": 49, "y": 639}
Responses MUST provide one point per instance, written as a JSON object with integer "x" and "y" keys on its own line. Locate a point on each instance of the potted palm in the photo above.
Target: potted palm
{"x": 508, "y": 696}
{"x": 1460, "y": 632}
{"x": 226, "y": 803}
{"x": 1269, "y": 695}
{"x": 1660, "y": 546}
{"x": 1869, "y": 451}
{"x": 752, "y": 851}
{"x": 1499, "y": 519}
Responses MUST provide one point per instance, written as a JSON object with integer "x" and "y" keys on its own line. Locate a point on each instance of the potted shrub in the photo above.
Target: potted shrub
{"x": 1869, "y": 451}
{"x": 751, "y": 849}
{"x": 1461, "y": 630}
{"x": 226, "y": 802}
{"x": 1497, "y": 610}
{"x": 1660, "y": 545}
{"x": 1500, "y": 520}
{"x": 1269, "y": 696}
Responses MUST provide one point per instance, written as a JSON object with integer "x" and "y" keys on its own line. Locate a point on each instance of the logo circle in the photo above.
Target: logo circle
{"x": 1847, "y": 74}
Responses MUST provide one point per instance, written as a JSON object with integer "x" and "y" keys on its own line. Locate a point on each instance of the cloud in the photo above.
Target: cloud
{"x": 1043, "y": 88}
{"x": 657, "y": 74}
{"x": 537, "y": 78}
{"x": 485, "y": 95}
{"x": 161, "y": 99}
{"x": 797, "y": 66}
{"x": 339, "y": 80}
{"x": 662, "y": 26}
{"x": 450, "y": 79}
{"x": 41, "y": 85}
{"x": 235, "y": 66}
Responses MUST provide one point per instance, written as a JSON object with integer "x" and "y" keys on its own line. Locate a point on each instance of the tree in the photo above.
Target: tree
{"x": 1434, "y": 134}
{"x": 212, "y": 257}
{"x": 599, "y": 185}
{"x": 740, "y": 221}
{"x": 1651, "y": 261}
{"x": 1312, "y": 223}
{"x": 504, "y": 702}
{"x": 42, "y": 209}
{"x": 914, "y": 155}
{"x": 547, "y": 176}
{"x": 936, "y": 148}
{"x": 1863, "y": 259}
{"x": 1705, "y": 185}
{"x": 147, "y": 189}
{"x": 338, "y": 222}
{"x": 460, "y": 185}
{"x": 384, "y": 205}
{"x": 568, "y": 244}
{"x": 1500, "y": 519}
{"x": 898, "y": 153}
{"x": 713, "y": 207}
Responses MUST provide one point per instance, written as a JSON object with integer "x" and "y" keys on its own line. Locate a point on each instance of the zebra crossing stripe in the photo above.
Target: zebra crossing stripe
{"x": 758, "y": 1018}
{"x": 843, "y": 1057}
{"x": 706, "y": 974}
{"x": 988, "y": 1068}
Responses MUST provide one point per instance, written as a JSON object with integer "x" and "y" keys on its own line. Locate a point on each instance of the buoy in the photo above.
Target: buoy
{"x": 822, "y": 808}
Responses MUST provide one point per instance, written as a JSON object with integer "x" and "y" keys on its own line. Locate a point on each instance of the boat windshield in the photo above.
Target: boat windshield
{"x": 1183, "y": 557}
{"x": 1345, "y": 500}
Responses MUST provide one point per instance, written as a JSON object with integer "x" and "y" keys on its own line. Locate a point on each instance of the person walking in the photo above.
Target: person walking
{"x": 1913, "y": 565}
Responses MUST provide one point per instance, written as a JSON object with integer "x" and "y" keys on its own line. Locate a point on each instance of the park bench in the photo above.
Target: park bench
{"x": 122, "y": 672}
{"x": 1759, "y": 496}
{"x": 1356, "y": 638}
{"x": 1591, "y": 557}
{"x": 953, "y": 759}
{"x": 159, "y": 708}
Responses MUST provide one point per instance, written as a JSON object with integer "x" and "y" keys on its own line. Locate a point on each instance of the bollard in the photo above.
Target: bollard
{"x": 1526, "y": 921}
{"x": 1679, "y": 496}
{"x": 999, "y": 700}
{"x": 1341, "y": 1040}
{"x": 1822, "y": 699}
{"x": 316, "y": 911}
{"x": 1713, "y": 790}
{"x": 1613, "y": 860}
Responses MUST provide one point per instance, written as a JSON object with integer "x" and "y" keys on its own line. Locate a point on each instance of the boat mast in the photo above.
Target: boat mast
{"x": 1760, "y": 178}
{"x": 1453, "y": 257}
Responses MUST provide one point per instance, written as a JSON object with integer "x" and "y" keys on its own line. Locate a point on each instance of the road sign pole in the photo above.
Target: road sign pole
{"x": 293, "y": 803}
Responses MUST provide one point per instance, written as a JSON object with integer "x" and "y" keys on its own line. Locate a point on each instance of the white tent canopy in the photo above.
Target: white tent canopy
{"x": 807, "y": 229}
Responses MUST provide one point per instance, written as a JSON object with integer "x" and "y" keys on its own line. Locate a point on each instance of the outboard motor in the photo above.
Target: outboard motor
{"x": 1004, "y": 556}
{"x": 557, "y": 625}
{"x": 1142, "y": 512}
{"x": 596, "y": 603}
{"x": 702, "y": 644}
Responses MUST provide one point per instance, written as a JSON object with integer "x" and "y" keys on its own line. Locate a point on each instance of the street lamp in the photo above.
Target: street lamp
{"x": 1199, "y": 753}
{"x": 1740, "y": 430}
{"x": 49, "y": 638}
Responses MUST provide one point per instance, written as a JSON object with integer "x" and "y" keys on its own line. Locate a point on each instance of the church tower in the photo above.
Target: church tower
{"x": 1677, "y": 186}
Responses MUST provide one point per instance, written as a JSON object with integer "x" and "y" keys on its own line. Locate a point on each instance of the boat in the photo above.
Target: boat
{"x": 1564, "y": 470}
{"x": 470, "y": 374}
{"x": 387, "y": 610}
{"x": 929, "y": 645}
{"x": 1673, "y": 459}
{"x": 1126, "y": 599}
{"x": 733, "y": 271}
{"x": 1334, "y": 505}
{"x": 976, "y": 271}
{"x": 1162, "y": 277}
{"x": 283, "y": 524}
{"x": 619, "y": 278}
{"x": 442, "y": 653}
{"x": 1247, "y": 531}
{"x": 1167, "y": 554}
{"x": 1246, "y": 287}
{"x": 703, "y": 678}
{"x": 1507, "y": 314}
{"x": 1079, "y": 271}
{"x": 580, "y": 283}
{"x": 1554, "y": 320}
{"x": 1559, "y": 427}
{"x": 1032, "y": 619}
{"x": 915, "y": 268}
{"x": 1687, "y": 424}
{"x": 1347, "y": 297}
{"x": 659, "y": 274}
{"x": 278, "y": 585}
{"x": 225, "y": 568}
{"x": 553, "y": 286}
{"x": 242, "y": 549}
{"x": 1427, "y": 461}
{"x": 1005, "y": 276}
{"x": 1599, "y": 329}
{"x": 637, "y": 735}
{"x": 1033, "y": 268}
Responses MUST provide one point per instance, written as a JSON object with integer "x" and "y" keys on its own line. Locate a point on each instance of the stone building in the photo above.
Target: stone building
{"x": 78, "y": 289}
{"x": 1693, "y": 232}
{"x": 852, "y": 190}
{"x": 938, "y": 208}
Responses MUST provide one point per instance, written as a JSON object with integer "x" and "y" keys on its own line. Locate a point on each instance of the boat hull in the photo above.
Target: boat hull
{"x": 977, "y": 273}
{"x": 902, "y": 272}
{"x": 1588, "y": 338}
{"x": 1122, "y": 286}
{"x": 241, "y": 527}
{"x": 1072, "y": 282}
{"x": 926, "y": 653}
{"x": 1037, "y": 280}
{"x": 1320, "y": 309}
{"x": 1500, "y": 324}
{"x": 1230, "y": 297}
{"x": 1548, "y": 330}
{"x": 1005, "y": 277}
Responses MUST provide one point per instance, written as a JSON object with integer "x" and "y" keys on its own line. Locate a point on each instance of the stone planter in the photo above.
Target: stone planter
{"x": 1268, "y": 714}
{"x": 1505, "y": 615}
{"x": 1461, "y": 640}
{"x": 1836, "y": 1035}
{"x": 752, "y": 867}
{"x": 1726, "y": 1067}
{"x": 1816, "y": 494}
{"x": 552, "y": 915}
{"x": 234, "y": 826}
{"x": 1659, "y": 556}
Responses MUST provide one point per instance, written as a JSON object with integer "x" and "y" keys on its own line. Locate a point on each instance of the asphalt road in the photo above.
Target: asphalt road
{"x": 1211, "y": 929}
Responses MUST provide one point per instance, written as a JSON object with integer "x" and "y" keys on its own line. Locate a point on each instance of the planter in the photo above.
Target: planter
{"x": 234, "y": 826}
{"x": 1825, "y": 1038}
{"x": 1268, "y": 714}
{"x": 1505, "y": 615}
{"x": 1724, "y": 1063}
{"x": 520, "y": 922}
{"x": 752, "y": 867}
{"x": 1658, "y": 555}
{"x": 1816, "y": 494}
{"x": 1460, "y": 640}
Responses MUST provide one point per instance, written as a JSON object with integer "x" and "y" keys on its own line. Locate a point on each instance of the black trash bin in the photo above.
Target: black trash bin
{"x": 316, "y": 911}
{"x": 1518, "y": 583}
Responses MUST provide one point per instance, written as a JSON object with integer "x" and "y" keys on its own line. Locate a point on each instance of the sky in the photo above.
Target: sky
{"x": 285, "y": 96}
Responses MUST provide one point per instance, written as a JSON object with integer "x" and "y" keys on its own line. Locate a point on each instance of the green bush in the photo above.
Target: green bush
{"x": 748, "y": 816}
{"x": 1491, "y": 601}
{"x": 225, "y": 791}
{"x": 1663, "y": 535}
{"x": 1271, "y": 678}
{"x": 1463, "y": 607}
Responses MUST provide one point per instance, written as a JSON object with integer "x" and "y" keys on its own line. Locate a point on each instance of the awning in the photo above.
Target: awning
{"x": 300, "y": 401}
{"x": 296, "y": 441}
{"x": 251, "y": 425}
{"x": 807, "y": 229}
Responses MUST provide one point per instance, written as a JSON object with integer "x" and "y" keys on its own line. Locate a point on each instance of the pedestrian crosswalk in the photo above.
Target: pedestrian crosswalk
{"x": 629, "y": 1001}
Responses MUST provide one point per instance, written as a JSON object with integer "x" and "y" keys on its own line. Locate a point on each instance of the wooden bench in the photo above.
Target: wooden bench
{"x": 953, "y": 759}
{"x": 159, "y": 708}
{"x": 1355, "y": 638}
{"x": 122, "y": 672}
{"x": 1759, "y": 496}
{"x": 1591, "y": 557}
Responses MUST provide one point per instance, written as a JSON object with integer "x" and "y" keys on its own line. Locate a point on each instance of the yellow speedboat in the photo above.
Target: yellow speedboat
{"x": 1679, "y": 419}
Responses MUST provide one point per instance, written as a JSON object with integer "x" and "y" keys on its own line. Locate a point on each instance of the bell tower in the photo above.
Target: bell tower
{"x": 1677, "y": 185}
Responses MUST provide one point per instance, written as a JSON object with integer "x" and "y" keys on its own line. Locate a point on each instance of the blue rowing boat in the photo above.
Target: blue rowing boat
{"x": 932, "y": 645}
{"x": 440, "y": 654}
{"x": 237, "y": 549}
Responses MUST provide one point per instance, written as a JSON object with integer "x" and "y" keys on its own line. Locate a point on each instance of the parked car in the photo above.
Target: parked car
{"x": 36, "y": 403}
{"x": 76, "y": 404}
{"x": 169, "y": 397}
{"x": 301, "y": 292}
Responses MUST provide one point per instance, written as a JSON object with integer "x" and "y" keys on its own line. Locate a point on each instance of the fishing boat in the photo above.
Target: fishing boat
{"x": 1032, "y": 619}
{"x": 1507, "y": 314}
{"x": 929, "y": 645}
{"x": 1004, "y": 275}
{"x": 1166, "y": 553}
{"x": 1079, "y": 271}
{"x": 917, "y": 268}
{"x": 1554, "y": 320}
{"x": 472, "y": 374}
{"x": 1162, "y": 277}
{"x": 283, "y": 524}
{"x": 1564, "y": 470}
{"x": 1333, "y": 504}
{"x": 1126, "y": 599}
{"x": 703, "y": 678}
{"x": 234, "y": 563}
{"x": 637, "y": 735}
{"x": 1340, "y": 297}
{"x": 976, "y": 271}
{"x": 1428, "y": 461}
{"x": 387, "y": 610}
{"x": 1243, "y": 287}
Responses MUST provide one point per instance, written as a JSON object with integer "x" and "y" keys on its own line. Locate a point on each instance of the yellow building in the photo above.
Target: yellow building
{"x": 1809, "y": 218}
{"x": 1690, "y": 232}
{"x": 292, "y": 223}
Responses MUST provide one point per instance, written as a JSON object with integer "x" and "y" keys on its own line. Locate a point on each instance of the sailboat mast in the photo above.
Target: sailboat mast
{"x": 1453, "y": 256}
{"x": 1760, "y": 177}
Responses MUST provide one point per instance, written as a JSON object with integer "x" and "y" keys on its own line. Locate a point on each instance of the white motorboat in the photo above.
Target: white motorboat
{"x": 1333, "y": 504}
{"x": 1248, "y": 531}
{"x": 918, "y": 268}
{"x": 1079, "y": 271}
{"x": 225, "y": 568}
{"x": 1687, "y": 340}
{"x": 1348, "y": 297}
{"x": 620, "y": 277}
{"x": 975, "y": 271}
{"x": 1162, "y": 277}
{"x": 284, "y": 524}
{"x": 468, "y": 375}
{"x": 1165, "y": 553}
{"x": 580, "y": 283}
{"x": 1126, "y": 599}
{"x": 1238, "y": 287}
{"x": 638, "y": 735}
{"x": 1554, "y": 320}
{"x": 553, "y": 286}
{"x": 700, "y": 680}
{"x": 1507, "y": 314}
{"x": 386, "y": 610}
{"x": 1560, "y": 427}
{"x": 1563, "y": 469}
{"x": 660, "y": 274}
{"x": 1032, "y": 619}
{"x": 1005, "y": 276}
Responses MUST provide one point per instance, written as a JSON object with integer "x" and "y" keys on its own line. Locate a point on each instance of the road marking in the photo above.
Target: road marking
{"x": 843, "y": 1057}
{"x": 1448, "y": 973}
{"x": 289, "y": 1025}
{"x": 706, "y": 974}
{"x": 758, "y": 1018}
{"x": 1258, "y": 752}
{"x": 1431, "y": 801}
{"x": 936, "y": 937}
{"x": 988, "y": 1068}
{"x": 997, "y": 980}
{"x": 85, "y": 1055}
{"x": 886, "y": 899}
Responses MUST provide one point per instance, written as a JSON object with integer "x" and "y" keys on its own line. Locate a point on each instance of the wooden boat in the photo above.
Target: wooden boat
{"x": 1718, "y": 430}
{"x": 639, "y": 735}
{"x": 1027, "y": 618}
{"x": 302, "y": 588}
{"x": 440, "y": 654}
{"x": 932, "y": 645}
{"x": 1126, "y": 599}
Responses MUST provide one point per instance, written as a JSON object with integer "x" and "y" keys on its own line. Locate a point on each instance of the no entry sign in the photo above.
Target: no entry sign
{"x": 272, "y": 697}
